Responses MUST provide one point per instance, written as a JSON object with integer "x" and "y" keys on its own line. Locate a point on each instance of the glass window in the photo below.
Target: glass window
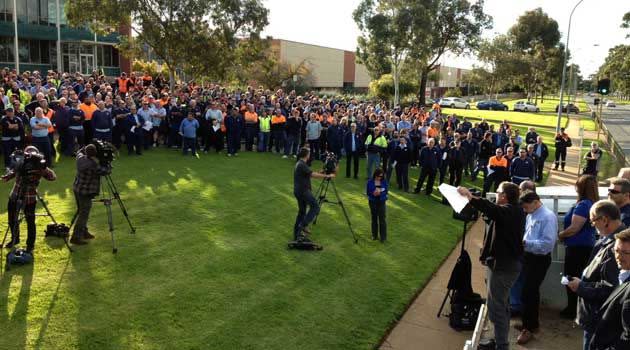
{"x": 44, "y": 50}
{"x": 32, "y": 11}
{"x": 43, "y": 12}
{"x": 6, "y": 49}
{"x": 99, "y": 60}
{"x": 52, "y": 11}
{"x": 52, "y": 47}
{"x": 23, "y": 50}
{"x": 62, "y": 12}
{"x": 107, "y": 56}
{"x": 114, "y": 57}
{"x": 21, "y": 11}
{"x": 2, "y": 10}
{"x": 34, "y": 51}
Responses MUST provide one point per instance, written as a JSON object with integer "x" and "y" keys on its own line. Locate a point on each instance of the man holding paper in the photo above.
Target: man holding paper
{"x": 502, "y": 252}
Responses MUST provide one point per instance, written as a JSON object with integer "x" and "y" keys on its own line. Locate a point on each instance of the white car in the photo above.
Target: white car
{"x": 610, "y": 103}
{"x": 526, "y": 106}
{"x": 454, "y": 102}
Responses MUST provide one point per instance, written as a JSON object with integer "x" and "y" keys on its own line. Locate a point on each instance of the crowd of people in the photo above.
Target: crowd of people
{"x": 62, "y": 112}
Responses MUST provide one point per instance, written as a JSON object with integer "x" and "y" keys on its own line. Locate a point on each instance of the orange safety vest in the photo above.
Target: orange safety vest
{"x": 251, "y": 117}
{"x": 122, "y": 84}
{"x": 278, "y": 119}
{"x": 496, "y": 162}
{"x": 48, "y": 115}
{"x": 88, "y": 110}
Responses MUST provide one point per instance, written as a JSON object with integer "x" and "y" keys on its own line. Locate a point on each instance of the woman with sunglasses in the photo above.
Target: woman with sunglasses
{"x": 377, "y": 189}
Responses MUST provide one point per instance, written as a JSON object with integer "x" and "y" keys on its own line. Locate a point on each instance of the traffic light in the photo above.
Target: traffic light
{"x": 603, "y": 86}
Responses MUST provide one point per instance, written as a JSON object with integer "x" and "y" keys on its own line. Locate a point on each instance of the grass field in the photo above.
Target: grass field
{"x": 208, "y": 267}
{"x": 524, "y": 118}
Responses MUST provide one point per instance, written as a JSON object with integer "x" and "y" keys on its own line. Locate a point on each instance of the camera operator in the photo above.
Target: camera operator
{"x": 27, "y": 175}
{"x": 302, "y": 191}
{"x": 502, "y": 252}
{"x": 86, "y": 186}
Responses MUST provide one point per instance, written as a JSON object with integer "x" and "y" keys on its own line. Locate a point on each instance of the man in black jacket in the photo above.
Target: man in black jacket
{"x": 294, "y": 125}
{"x": 352, "y": 144}
{"x": 502, "y": 253}
{"x": 456, "y": 161}
{"x": 486, "y": 150}
{"x": 613, "y": 328}
{"x": 429, "y": 162}
{"x": 401, "y": 158}
{"x": 601, "y": 275}
{"x": 542, "y": 152}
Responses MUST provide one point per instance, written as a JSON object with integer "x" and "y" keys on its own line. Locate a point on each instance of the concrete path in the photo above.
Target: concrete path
{"x": 420, "y": 329}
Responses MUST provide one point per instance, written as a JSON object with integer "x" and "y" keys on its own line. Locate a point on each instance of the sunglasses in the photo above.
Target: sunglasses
{"x": 613, "y": 191}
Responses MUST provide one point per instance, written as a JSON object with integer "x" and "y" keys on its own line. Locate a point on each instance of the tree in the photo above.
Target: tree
{"x": 197, "y": 35}
{"x": 383, "y": 88}
{"x": 626, "y": 22}
{"x": 387, "y": 27}
{"x": 616, "y": 67}
{"x": 455, "y": 27}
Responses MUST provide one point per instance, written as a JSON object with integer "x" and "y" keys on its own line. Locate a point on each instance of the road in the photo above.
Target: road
{"x": 617, "y": 120}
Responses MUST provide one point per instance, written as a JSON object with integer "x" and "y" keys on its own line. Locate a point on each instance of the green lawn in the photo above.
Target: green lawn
{"x": 209, "y": 269}
{"x": 608, "y": 166}
{"x": 525, "y": 118}
{"x": 588, "y": 123}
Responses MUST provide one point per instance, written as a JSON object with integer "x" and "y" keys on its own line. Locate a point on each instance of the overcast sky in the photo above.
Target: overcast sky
{"x": 329, "y": 23}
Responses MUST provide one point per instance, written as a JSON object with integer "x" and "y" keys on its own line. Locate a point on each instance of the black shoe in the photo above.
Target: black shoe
{"x": 567, "y": 313}
{"x": 76, "y": 240}
{"x": 11, "y": 244}
{"x": 88, "y": 235}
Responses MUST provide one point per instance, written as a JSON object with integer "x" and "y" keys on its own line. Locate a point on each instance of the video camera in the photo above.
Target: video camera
{"x": 25, "y": 163}
{"x": 330, "y": 163}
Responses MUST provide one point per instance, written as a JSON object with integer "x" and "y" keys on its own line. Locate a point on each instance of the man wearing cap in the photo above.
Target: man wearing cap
{"x": 25, "y": 193}
{"x": 541, "y": 227}
{"x": 12, "y": 134}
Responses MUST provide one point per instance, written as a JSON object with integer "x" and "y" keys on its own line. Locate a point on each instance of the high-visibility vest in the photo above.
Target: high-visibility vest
{"x": 265, "y": 124}
{"x": 48, "y": 115}
{"x": 122, "y": 84}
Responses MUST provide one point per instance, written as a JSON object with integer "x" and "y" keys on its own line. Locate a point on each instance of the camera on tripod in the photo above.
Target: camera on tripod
{"x": 330, "y": 163}
{"x": 105, "y": 154}
{"x": 27, "y": 162}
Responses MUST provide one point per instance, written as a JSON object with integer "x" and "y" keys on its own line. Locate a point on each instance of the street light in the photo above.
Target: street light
{"x": 564, "y": 69}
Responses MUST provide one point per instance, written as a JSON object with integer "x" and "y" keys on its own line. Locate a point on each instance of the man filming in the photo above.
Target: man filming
{"x": 27, "y": 174}
{"x": 86, "y": 186}
{"x": 302, "y": 191}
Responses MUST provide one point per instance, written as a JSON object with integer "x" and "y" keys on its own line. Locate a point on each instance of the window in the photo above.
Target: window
{"x": 44, "y": 50}
{"x": 6, "y": 49}
{"x": 114, "y": 57}
{"x": 23, "y": 50}
{"x": 43, "y": 12}
{"x": 21, "y": 11}
{"x": 32, "y": 11}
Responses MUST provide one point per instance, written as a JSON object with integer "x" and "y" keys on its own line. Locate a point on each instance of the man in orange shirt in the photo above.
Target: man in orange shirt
{"x": 497, "y": 171}
{"x": 251, "y": 123}
{"x": 88, "y": 107}
{"x": 278, "y": 130}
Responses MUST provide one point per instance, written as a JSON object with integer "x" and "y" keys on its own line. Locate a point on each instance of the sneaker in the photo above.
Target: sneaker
{"x": 284, "y": 157}
{"x": 154, "y": 145}
{"x": 294, "y": 156}
{"x": 229, "y": 154}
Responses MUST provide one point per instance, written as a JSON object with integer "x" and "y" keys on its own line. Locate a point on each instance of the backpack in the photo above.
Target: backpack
{"x": 464, "y": 311}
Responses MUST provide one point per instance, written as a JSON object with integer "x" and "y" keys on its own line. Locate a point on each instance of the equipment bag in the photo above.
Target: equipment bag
{"x": 19, "y": 257}
{"x": 464, "y": 311}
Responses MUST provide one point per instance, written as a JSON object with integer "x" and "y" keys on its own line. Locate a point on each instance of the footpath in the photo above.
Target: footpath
{"x": 419, "y": 328}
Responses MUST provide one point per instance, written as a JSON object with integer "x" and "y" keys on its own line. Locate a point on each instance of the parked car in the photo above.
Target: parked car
{"x": 492, "y": 105}
{"x": 571, "y": 107}
{"x": 454, "y": 102}
{"x": 526, "y": 106}
{"x": 610, "y": 103}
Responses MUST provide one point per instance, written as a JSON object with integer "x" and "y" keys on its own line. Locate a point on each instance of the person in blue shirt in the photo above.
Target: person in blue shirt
{"x": 541, "y": 228}
{"x": 188, "y": 130}
{"x": 76, "y": 136}
{"x": 102, "y": 123}
{"x": 578, "y": 236}
{"x": 376, "y": 191}
{"x": 39, "y": 130}
{"x": 135, "y": 134}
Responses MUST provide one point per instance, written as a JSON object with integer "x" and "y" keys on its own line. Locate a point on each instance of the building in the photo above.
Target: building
{"x": 331, "y": 68}
{"x": 447, "y": 78}
{"x": 45, "y": 41}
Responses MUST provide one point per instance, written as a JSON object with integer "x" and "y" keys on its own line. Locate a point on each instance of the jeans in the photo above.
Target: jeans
{"x": 250, "y": 132}
{"x": 534, "y": 271}
{"x": 500, "y": 279}
{"x": 402, "y": 176}
{"x": 190, "y": 142}
{"x": 373, "y": 161}
{"x": 84, "y": 206}
{"x": 314, "y": 147}
{"x": 74, "y": 137}
{"x": 43, "y": 145}
{"x": 292, "y": 145}
{"x": 134, "y": 141}
{"x": 29, "y": 216}
{"x": 279, "y": 139}
{"x": 379, "y": 224}
{"x": 104, "y": 136}
{"x": 263, "y": 141}
{"x": 303, "y": 218}
{"x": 424, "y": 172}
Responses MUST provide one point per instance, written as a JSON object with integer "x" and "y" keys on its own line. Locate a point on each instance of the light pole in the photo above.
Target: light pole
{"x": 564, "y": 68}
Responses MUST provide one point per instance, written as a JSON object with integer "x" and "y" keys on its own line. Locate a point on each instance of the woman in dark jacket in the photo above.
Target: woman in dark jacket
{"x": 376, "y": 191}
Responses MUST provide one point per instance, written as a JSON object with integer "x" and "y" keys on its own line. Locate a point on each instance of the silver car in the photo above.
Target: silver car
{"x": 454, "y": 102}
{"x": 526, "y": 106}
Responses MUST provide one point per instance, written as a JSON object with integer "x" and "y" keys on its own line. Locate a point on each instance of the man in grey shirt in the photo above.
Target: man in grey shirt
{"x": 313, "y": 133}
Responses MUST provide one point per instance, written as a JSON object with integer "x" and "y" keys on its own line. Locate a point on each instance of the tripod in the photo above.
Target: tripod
{"x": 110, "y": 192}
{"x": 321, "y": 199}
{"x": 460, "y": 280}
{"x": 19, "y": 206}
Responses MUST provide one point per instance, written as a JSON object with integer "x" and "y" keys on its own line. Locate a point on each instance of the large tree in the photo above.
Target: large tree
{"x": 198, "y": 35}
{"x": 626, "y": 22}
{"x": 617, "y": 68}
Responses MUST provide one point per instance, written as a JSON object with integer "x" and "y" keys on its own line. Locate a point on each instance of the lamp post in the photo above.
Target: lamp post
{"x": 564, "y": 68}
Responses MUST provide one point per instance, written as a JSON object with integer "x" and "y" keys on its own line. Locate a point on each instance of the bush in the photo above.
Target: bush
{"x": 383, "y": 88}
{"x": 456, "y": 92}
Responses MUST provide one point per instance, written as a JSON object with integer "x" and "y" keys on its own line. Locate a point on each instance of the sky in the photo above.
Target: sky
{"x": 594, "y": 29}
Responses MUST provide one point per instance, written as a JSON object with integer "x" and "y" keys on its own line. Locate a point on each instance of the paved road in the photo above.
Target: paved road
{"x": 617, "y": 120}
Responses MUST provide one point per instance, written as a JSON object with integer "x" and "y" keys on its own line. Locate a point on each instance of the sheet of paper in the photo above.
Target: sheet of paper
{"x": 457, "y": 201}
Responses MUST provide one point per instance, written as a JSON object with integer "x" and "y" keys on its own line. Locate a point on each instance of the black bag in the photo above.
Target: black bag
{"x": 57, "y": 230}
{"x": 464, "y": 311}
{"x": 19, "y": 256}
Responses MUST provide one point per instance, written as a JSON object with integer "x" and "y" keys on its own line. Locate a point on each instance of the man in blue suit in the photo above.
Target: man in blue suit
{"x": 352, "y": 143}
{"x": 134, "y": 135}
